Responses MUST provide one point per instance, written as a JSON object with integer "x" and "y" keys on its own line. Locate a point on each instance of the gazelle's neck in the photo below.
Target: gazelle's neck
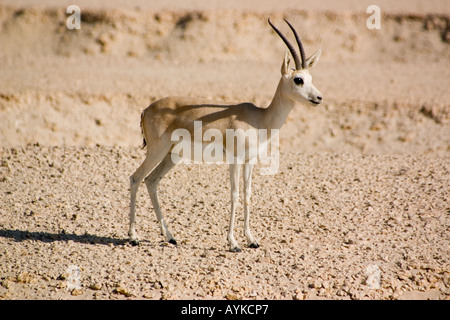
{"x": 278, "y": 110}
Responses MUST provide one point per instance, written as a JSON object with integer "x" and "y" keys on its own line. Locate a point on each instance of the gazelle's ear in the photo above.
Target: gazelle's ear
{"x": 285, "y": 65}
{"x": 312, "y": 61}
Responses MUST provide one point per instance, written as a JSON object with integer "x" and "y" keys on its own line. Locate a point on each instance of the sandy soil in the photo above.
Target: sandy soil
{"x": 363, "y": 183}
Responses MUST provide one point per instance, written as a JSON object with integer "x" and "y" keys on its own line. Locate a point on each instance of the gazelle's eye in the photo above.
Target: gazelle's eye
{"x": 298, "y": 81}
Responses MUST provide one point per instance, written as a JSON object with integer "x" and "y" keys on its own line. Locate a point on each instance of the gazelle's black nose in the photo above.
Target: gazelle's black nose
{"x": 316, "y": 100}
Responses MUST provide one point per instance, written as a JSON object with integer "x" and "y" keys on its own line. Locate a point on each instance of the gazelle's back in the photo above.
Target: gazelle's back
{"x": 180, "y": 113}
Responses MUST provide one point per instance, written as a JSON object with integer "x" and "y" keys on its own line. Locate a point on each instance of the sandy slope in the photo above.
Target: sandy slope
{"x": 364, "y": 178}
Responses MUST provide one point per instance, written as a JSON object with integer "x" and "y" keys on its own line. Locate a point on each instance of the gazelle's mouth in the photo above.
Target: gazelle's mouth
{"x": 315, "y": 102}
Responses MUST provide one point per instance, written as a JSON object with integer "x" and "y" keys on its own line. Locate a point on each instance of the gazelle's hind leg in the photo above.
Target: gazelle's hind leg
{"x": 150, "y": 162}
{"x": 152, "y": 182}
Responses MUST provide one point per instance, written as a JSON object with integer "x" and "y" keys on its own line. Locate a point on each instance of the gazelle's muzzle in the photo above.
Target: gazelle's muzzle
{"x": 315, "y": 97}
{"x": 316, "y": 100}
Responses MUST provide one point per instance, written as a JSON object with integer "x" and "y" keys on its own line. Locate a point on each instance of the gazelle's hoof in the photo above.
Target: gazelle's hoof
{"x": 235, "y": 249}
{"x": 173, "y": 241}
{"x": 254, "y": 245}
{"x": 134, "y": 242}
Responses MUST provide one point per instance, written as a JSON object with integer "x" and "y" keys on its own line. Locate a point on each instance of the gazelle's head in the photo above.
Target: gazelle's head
{"x": 297, "y": 83}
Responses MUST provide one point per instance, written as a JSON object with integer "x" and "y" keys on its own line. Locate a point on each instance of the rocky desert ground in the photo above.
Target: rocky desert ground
{"x": 358, "y": 209}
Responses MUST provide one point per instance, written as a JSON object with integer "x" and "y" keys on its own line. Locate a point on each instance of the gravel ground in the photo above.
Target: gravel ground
{"x": 327, "y": 225}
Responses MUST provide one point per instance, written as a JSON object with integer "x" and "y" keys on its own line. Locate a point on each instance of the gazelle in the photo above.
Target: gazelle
{"x": 164, "y": 116}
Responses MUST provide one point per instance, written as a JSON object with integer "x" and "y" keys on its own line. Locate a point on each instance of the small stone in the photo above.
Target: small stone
{"x": 95, "y": 286}
{"x": 123, "y": 291}
{"x": 298, "y": 295}
{"x": 232, "y": 296}
{"x": 166, "y": 295}
{"x": 62, "y": 276}
{"x": 148, "y": 295}
{"x": 6, "y": 284}
{"x": 25, "y": 277}
{"x": 157, "y": 285}
{"x": 76, "y": 292}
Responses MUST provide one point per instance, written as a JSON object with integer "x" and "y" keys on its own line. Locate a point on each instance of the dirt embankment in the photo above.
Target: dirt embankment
{"x": 386, "y": 90}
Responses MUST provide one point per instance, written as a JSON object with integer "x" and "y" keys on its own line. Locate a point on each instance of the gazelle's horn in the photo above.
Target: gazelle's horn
{"x": 300, "y": 45}
{"x": 298, "y": 65}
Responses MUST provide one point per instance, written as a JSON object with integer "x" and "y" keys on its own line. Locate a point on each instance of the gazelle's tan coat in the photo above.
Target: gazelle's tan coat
{"x": 164, "y": 116}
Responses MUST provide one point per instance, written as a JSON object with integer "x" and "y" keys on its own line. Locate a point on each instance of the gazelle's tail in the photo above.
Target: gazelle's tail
{"x": 144, "y": 143}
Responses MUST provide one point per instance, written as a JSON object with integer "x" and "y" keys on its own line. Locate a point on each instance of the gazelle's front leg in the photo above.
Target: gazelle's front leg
{"x": 248, "y": 168}
{"x": 234, "y": 179}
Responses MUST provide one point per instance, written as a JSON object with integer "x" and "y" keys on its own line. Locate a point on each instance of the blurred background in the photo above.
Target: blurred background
{"x": 385, "y": 90}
